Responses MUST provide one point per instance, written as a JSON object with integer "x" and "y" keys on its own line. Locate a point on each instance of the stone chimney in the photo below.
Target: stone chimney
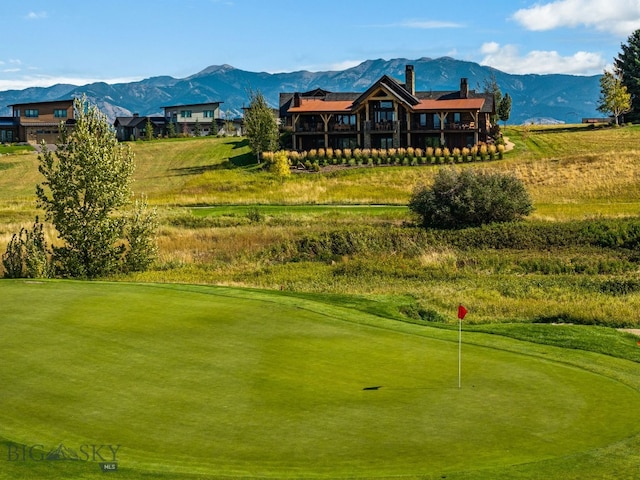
{"x": 410, "y": 79}
{"x": 297, "y": 101}
{"x": 464, "y": 88}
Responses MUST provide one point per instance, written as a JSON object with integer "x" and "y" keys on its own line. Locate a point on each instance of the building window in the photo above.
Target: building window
{"x": 207, "y": 114}
{"x": 383, "y": 112}
{"x": 185, "y": 113}
{"x": 422, "y": 121}
{"x": 436, "y": 121}
{"x": 60, "y": 113}
{"x": 346, "y": 119}
{"x": 16, "y": 112}
{"x": 31, "y": 113}
{"x": 456, "y": 117}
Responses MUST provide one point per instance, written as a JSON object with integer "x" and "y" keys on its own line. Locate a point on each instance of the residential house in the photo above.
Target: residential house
{"x": 389, "y": 114}
{"x": 8, "y": 130}
{"x": 134, "y": 128}
{"x": 35, "y": 122}
{"x": 189, "y": 118}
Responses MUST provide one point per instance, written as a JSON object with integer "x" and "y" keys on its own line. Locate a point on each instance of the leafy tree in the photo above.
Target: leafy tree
{"x": 627, "y": 65}
{"x": 470, "y": 198}
{"x": 504, "y": 108}
{"x": 614, "y": 97}
{"x": 148, "y": 130}
{"x": 280, "y": 164}
{"x": 86, "y": 187}
{"x": 261, "y": 127}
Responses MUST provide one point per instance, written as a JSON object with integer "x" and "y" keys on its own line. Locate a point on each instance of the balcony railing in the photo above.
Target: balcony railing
{"x": 447, "y": 126}
{"x": 306, "y": 128}
{"x": 342, "y": 127}
{"x": 379, "y": 127}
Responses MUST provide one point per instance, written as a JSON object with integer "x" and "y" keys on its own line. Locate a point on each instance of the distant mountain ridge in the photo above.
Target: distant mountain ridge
{"x": 546, "y": 98}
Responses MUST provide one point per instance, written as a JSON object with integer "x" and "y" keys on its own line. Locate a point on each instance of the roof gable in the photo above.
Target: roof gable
{"x": 392, "y": 87}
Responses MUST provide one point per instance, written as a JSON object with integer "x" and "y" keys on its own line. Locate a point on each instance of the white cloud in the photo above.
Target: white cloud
{"x": 508, "y": 59}
{"x": 344, "y": 65}
{"x": 36, "y": 15}
{"x": 620, "y": 17}
{"x": 48, "y": 81}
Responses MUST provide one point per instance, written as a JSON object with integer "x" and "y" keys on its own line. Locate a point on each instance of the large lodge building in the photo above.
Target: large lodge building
{"x": 388, "y": 115}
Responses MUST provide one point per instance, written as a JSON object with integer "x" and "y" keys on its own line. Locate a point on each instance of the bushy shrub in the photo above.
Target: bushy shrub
{"x": 470, "y": 198}
{"x": 27, "y": 254}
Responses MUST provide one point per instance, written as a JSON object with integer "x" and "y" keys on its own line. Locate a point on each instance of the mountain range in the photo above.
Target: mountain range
{"x": 536, "y": 98}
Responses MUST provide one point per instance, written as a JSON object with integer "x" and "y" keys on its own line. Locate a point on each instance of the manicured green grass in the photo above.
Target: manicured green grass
{"x": 15, "y": 149}
{"x": 369, "y": 210}
{"x": 206, "y": 382}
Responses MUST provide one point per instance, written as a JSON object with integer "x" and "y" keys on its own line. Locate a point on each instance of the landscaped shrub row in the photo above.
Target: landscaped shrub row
{"x": 314, "y": 158}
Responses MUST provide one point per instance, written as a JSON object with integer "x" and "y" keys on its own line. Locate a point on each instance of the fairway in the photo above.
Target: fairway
{"x": 213, "y": 381}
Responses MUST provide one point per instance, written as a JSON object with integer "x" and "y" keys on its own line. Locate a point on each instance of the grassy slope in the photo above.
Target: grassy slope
{"x": 190, "y": 383}
{"x": 571, "y": 174}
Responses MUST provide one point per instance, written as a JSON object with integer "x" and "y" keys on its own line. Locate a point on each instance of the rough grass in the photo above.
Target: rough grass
{"x": 571, "y": 173}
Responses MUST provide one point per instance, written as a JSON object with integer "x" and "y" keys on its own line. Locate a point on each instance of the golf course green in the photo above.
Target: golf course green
{"x": 186, "y": 381}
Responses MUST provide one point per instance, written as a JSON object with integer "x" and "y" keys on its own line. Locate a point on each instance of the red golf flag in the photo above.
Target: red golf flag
{"x": 461, "y": 312}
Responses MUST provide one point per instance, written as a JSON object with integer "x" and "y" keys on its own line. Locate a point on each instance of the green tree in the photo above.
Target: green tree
{"x": 490, "y": 86}
{"x": 614, "y": 97}
{"x": 504, "y": 108}
{"x": 470, "y": 198}
{"x": 197, "y": 129}
{"x": 148, "y": 130}
{"x": 260, "y": 125}
{"x": 171, "y": 129}
{"x": 627, "y": 66}
{"x": 86, "y": 188}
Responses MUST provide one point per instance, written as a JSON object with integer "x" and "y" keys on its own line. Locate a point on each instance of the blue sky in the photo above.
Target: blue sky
{"x": 82, "y": 41}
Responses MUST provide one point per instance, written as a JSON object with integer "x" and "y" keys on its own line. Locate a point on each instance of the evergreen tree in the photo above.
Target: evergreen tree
{"x": 261, "y": 127}
{"x": 614, "y": 97}
{"x": 504, "y": 108}
{"x": 148, "y": 130}
{"x": 627, "y": 66}
{"x": 491, "y": 87}
{"x": 197, "y": 130}
{"x": 171, "y": 129}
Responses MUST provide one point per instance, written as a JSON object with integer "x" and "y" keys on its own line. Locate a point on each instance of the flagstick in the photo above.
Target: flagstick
{"x": 459, "y": 353}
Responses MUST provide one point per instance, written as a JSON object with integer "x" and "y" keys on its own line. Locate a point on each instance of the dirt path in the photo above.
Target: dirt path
{"x": 508, "y": 145}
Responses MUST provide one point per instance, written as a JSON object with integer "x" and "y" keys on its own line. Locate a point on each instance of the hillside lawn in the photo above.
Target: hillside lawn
{"x": 213, "y": 382}
{"x": 222, "y": 216}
